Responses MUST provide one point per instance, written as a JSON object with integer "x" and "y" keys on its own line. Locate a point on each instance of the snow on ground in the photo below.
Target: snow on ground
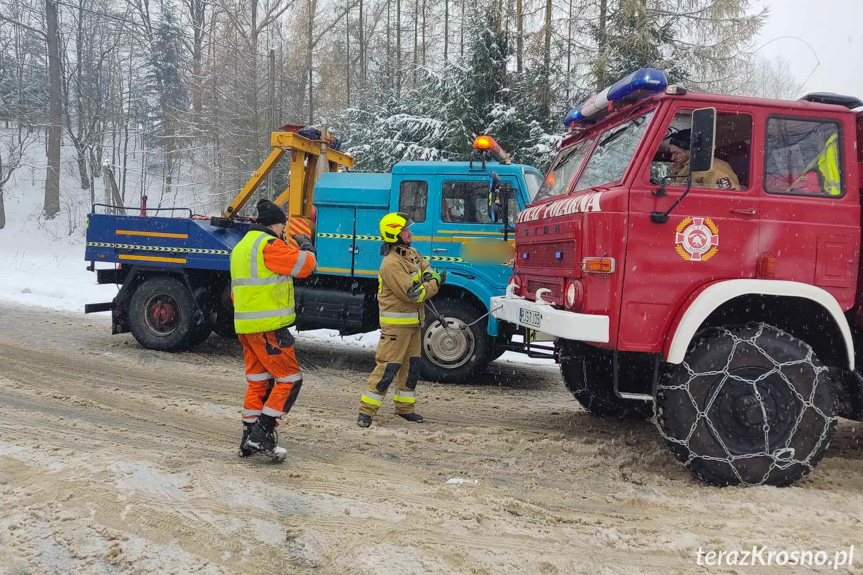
{"x": 42, "y": 261}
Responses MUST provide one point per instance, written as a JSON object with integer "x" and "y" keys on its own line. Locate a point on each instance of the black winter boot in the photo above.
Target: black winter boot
{"x": 263, "y": 439}
{"x": 412, "y": 417}
{"x": 247, "y": 429}
{"x": 364, "y": 420}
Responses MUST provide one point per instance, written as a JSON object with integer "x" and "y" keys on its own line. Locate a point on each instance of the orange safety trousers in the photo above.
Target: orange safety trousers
{"x": 273, "y": 374}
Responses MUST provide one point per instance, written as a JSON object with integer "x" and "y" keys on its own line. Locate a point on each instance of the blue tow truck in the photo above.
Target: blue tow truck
{"x": 173, "y": 271}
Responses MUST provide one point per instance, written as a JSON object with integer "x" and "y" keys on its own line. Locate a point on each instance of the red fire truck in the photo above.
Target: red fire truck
{"x": 695, "y": 258}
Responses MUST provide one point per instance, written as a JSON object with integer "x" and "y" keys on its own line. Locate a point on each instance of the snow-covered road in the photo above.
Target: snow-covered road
{"x": 116, "y": 459}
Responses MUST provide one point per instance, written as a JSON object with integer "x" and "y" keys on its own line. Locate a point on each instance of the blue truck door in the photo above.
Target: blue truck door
{"x": 412, "y": 198}
{"x": 335, "y": 238}
{"x": 367, "y": 249}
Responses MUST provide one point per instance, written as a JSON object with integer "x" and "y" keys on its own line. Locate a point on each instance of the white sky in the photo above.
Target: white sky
{"x": 834, "y": 29}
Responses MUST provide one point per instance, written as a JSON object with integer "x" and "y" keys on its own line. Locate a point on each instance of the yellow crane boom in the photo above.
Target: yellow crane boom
{"x": 299, "y": 195}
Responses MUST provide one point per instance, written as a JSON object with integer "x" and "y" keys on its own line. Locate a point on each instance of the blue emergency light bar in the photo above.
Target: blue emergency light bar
{"x": 637, "y": 85}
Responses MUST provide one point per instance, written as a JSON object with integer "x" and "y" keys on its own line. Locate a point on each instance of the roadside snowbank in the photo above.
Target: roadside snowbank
{"x": 42, "y": 265}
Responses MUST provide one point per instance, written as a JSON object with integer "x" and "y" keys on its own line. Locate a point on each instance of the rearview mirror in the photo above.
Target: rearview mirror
{"x": 703, "y": 140}
{"x": 495, "y": 205}
{"x": 494, "y": 182}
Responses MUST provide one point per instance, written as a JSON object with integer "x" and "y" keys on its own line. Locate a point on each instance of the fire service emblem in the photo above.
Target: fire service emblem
{"x": 697, "y": 239}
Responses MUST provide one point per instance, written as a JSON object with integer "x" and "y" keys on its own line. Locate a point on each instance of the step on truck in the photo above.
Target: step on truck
{"x": 172, "y": 266}
{"x": 696, "y": 258}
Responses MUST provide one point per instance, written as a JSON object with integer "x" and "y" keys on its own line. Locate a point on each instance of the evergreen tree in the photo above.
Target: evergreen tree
{"x": 439, "y": 120}
{"x": 168, "y": 94}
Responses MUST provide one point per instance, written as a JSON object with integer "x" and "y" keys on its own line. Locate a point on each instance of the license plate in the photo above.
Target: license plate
{"x": 529, "y": 317}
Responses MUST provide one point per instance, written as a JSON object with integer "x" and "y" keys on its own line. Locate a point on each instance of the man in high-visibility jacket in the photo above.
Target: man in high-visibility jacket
{"x": 405, "y": 282}
{"x": 262, "y": 267}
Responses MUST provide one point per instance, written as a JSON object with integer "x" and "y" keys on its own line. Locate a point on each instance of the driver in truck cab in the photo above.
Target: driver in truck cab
{"x": 721, "y": 177}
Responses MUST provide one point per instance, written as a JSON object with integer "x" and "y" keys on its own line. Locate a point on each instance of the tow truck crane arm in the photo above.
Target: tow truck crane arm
{"x": 299, "y": 194}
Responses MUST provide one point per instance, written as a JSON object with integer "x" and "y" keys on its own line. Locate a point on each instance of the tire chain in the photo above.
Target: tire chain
{"x": 780, "y": 458}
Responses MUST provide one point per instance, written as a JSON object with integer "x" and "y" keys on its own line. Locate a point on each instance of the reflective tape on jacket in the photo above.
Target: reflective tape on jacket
{"x": 277, "y": 279}
{"x": 372, "y": 398}
{"x": 399, "y": 318}
{"x": 828, "y": 167}
{"x": 273, "y": 313}
{"x": 263, "y": 299}
{"x": 301, "y": 261}
{"x": 405, "y": 396}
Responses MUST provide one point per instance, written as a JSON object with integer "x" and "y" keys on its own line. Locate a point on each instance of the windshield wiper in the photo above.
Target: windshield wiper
{"x": 611, "y": 137}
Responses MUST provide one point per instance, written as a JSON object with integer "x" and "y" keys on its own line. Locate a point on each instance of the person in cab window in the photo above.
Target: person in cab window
{"x": 720, "y": 177}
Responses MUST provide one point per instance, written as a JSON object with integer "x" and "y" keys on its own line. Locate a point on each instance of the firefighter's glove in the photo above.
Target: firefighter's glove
{"x": 439, "y": 277}
{"x": 305, "y": 243}
{"x": 417, "y": 292}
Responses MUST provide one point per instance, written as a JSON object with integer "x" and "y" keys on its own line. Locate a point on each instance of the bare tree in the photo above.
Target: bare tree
{"x": 13, "y": 147}
{"x": 772, "y": 79}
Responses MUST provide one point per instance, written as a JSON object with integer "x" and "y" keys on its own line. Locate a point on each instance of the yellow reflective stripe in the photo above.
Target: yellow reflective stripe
{"x": 151, "y": 234}
{"x": 405, "y": 397}
{"x": 152, "y": 259}
{"x": 367, "y": 398}
{"x": 422, "y": 295}
{"x": 399, "y": 320}
{"x": 828, "y": 166}
{"x": 399, "y": 314}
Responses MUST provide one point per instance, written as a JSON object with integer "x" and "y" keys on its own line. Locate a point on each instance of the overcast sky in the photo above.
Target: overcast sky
{"x": 834, "y": 29}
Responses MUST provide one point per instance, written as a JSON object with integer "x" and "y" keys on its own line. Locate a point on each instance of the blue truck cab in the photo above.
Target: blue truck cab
{"x": 175, "y": 281}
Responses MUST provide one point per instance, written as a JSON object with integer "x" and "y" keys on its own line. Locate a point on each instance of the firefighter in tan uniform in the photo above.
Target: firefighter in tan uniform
{"x": 721, "y": 176}
{"x": 406, "y": 281}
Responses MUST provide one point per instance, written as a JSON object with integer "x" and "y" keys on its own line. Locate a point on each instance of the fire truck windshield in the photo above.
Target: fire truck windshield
{"x": 563, "y": 170}
{"x": 613, "y": 153}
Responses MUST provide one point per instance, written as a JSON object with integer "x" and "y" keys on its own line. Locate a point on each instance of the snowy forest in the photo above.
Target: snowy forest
{"x": 109, "y": 100}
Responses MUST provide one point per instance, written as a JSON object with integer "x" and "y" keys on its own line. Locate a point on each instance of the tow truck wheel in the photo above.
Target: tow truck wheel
{"x": 588, "y": 374}
{"x": 162, "y": 315}
{"x": 750, "y": 405}
{"x": 458, "y": 351}
{"x": 223, "y": 320}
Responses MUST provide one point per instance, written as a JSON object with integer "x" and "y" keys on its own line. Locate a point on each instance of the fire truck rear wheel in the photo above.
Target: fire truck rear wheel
{"x": 751, "y": 404}
{"x": 162, "y": 315}
{"x": 458, "y": 352}
{"x": 588, "y": 374}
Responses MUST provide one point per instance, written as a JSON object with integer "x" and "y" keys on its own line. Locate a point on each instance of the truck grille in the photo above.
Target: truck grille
{"x": 555, "y": 285}
{"x": 554, "y": 255}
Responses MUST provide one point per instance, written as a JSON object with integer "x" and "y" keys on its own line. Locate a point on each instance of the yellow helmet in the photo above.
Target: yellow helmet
{"x": 392, "y": 225}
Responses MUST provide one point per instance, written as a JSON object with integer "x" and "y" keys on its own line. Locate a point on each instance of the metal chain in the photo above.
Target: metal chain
{"x": 781, "y": 457}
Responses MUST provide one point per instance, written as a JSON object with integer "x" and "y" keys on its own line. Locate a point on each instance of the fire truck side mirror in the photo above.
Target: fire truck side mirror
{"x": 703, "y": 140}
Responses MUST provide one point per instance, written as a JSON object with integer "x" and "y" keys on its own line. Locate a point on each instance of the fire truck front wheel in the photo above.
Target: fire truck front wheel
{"x": 588, "y": 374}
{"x": 456, "y": 348}
{"x": 162, "y": 315}
{"x": 750, "y": 405}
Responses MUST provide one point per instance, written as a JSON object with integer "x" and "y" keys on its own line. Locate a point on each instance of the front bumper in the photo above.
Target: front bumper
{"x": 556, "y": 322}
